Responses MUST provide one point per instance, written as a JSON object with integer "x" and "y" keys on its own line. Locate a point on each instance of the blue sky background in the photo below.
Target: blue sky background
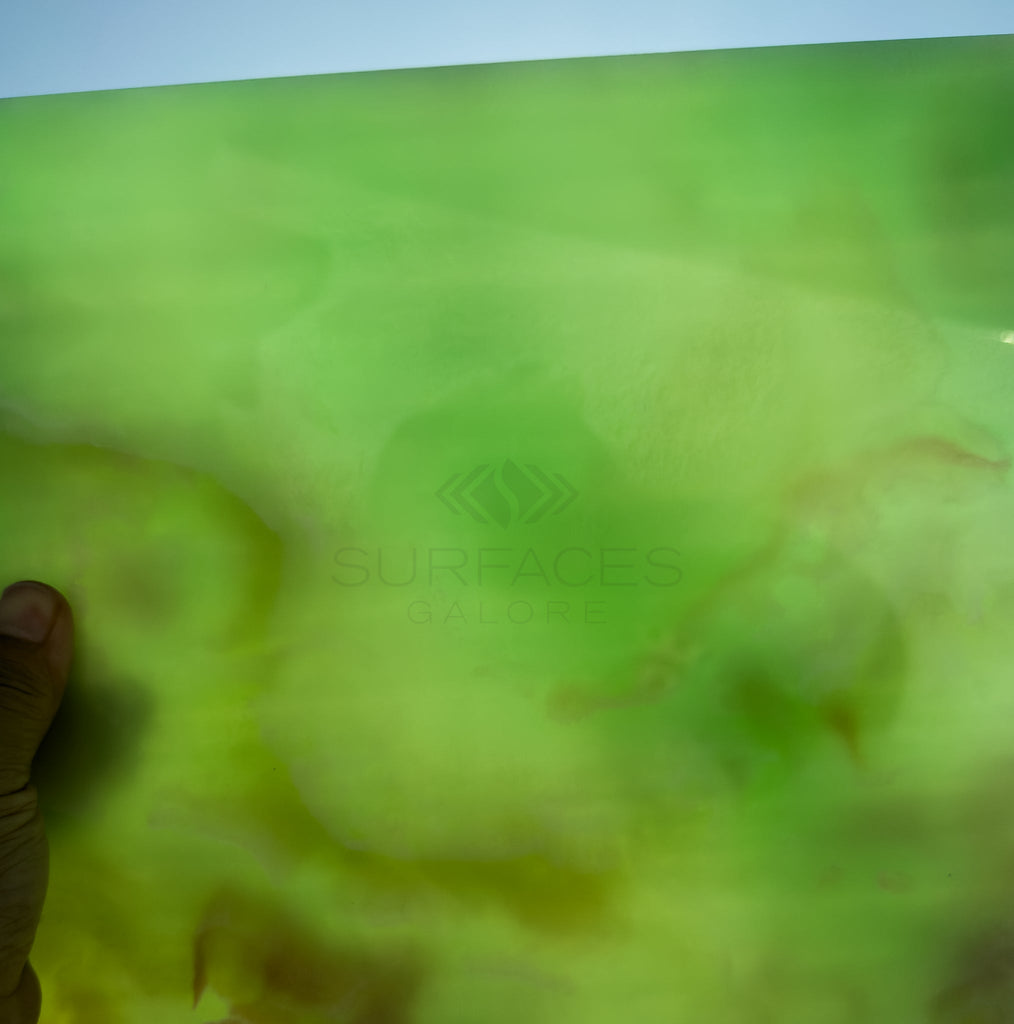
{"x": 76, "y": 45}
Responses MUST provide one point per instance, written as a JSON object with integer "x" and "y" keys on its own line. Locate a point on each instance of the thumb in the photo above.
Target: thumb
{"x": 36, "y": 644}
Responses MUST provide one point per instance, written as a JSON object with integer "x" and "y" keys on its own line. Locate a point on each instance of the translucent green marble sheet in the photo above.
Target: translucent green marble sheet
{"x": 540, "y": 537}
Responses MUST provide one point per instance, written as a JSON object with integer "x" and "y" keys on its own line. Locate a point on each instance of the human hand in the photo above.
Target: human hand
{"x": 36, "y": 645}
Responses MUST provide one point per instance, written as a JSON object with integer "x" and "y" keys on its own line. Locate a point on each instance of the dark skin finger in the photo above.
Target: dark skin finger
{"x": 36, "y": 646}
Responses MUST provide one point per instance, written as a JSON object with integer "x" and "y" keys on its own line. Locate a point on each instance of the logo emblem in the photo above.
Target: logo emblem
{"x": 505, "y": 493}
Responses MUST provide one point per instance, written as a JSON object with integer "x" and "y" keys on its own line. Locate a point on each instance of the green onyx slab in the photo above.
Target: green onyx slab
{"x": 538, "y": 535}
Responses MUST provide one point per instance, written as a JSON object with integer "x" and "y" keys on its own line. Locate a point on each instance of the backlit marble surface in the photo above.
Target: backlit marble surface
{"x": 539, "y": 535}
